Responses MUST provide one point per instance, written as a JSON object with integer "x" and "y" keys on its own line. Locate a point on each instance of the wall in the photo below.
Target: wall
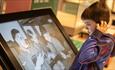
{"x": 36, "y": 4}
{"x": 17, "y": 5}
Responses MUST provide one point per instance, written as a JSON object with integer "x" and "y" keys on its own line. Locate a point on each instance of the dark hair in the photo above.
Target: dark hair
{"x": 14, "y": 32}
{"x": 97, "y": 11}
{"x": 29, "y": 31}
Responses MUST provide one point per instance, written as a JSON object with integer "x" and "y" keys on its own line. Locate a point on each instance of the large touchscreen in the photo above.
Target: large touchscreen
{"x": 37, "y": 43}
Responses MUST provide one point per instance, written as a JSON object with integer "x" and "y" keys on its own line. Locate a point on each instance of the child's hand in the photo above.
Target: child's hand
{"x": 103, "y": 26}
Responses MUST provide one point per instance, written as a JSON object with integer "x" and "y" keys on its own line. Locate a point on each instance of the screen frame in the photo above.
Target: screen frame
{"x": 5, "y": 62}
{"x": 29, "y": 14}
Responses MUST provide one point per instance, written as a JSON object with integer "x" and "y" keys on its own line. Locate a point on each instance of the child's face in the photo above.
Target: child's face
{"x": 90, "y": 25}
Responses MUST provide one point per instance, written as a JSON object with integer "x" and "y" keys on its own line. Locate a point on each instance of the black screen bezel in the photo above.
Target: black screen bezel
{"x": 29, "y": 14}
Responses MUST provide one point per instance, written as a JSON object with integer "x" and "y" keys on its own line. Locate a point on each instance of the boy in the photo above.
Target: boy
{"x": 98, "y": 47}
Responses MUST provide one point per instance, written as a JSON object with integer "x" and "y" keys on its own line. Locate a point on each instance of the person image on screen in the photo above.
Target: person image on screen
{"x": 57, "y": 46}
{"x": 37, "y": 52}
{"x": 33, "y": 40}
{"x": 98, "y": 46}
{"x": 22, "y": 49}
{"x": 44, "y": 55}
{"x": 55, "y": 54}
{"x": 33, "y": 37}
{"x": 18, "y": 37}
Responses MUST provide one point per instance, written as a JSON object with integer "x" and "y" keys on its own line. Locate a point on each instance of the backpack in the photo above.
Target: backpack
{"x": 113, "y": 38}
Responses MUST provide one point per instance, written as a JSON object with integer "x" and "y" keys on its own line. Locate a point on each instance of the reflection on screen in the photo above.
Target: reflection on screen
{"x": 37, "y": 44}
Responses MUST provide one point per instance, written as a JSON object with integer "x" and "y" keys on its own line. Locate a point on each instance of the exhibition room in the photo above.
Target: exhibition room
{"x": 57, "y": 34}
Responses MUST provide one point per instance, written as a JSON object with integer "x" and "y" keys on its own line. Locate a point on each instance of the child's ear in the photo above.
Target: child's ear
{"x": 103, "y": 26}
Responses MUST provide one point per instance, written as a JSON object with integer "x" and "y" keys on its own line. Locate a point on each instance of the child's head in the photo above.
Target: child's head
{"x": 94, "y": 14}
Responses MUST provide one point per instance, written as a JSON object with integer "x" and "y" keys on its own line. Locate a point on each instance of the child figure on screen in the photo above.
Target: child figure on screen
{"x": 21, "y": 51}
{"x": 98, "y": 47}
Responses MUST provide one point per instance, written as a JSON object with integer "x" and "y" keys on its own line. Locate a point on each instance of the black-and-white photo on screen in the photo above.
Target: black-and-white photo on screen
{"x": 37, "y": 44}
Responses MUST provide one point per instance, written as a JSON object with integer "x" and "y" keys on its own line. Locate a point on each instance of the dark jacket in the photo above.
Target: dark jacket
{"x": 94, "y": 52}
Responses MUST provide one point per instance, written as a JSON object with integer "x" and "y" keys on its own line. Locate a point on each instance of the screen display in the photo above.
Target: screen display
{"x": 37, "y": 43}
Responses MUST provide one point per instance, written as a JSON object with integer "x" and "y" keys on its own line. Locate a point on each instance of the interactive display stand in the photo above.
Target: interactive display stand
{"x": 34, "y": 40}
